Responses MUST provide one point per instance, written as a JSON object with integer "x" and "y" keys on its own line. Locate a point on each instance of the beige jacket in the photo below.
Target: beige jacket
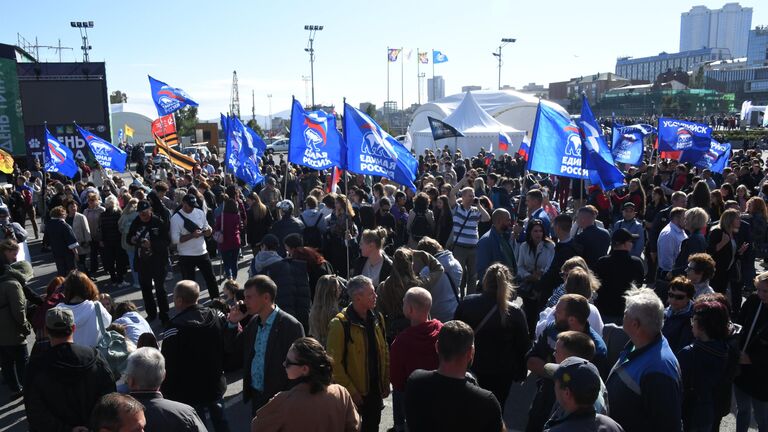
{"x": 298, "y": 410}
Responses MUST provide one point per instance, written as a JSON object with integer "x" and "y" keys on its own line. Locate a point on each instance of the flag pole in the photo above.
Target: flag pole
{"x": 434, "y": 92}
{"x": 346, "y": 184}
{"x": 402, "y": 80}
{"x": 418, "y": 77}
{"x": 388, "y": 74}
{"x": 45, "y": 178}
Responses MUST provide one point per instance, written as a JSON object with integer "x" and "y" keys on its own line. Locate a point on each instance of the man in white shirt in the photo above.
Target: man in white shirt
{"x": 669, "y": 242}
{"x": 189, "y": 228}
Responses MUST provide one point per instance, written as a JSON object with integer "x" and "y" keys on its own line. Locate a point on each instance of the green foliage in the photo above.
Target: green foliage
{"x": 186, "y": 120}
{"x": 253, "y": 124}
{"x": 117, "y": 97}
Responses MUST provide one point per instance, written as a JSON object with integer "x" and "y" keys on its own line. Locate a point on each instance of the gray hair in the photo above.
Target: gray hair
{"x": 110, "y": 202}
{"x": 357, "y": 284}
{"x": 645, "y": 306}
{"x": 696, "y": 218}
{"x": 147, "y": 368}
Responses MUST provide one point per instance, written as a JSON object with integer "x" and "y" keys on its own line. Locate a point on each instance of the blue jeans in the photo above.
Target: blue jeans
{"x": 229, "y": 258}
{"x": 216, "y": 412}
{"x": 747, "y": 405}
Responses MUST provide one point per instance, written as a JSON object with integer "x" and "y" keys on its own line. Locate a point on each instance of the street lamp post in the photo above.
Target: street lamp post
{"x": 312, "y": 29}
{"x": 83, "y": 26}
{"x": 504, "y": 42}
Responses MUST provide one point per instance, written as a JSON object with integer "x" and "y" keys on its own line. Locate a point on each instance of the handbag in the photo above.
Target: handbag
{"x": 112, "y": 346}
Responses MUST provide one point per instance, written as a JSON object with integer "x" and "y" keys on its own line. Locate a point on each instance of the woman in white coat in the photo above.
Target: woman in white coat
{"x": 82, "y": 231}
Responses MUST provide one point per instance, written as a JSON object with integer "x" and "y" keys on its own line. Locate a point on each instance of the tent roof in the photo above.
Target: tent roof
{"x": 470, "y": 117}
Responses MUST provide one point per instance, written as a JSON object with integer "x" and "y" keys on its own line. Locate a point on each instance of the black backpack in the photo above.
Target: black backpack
{"x": 420, "y": 226}
{"x": 312, "y": 235}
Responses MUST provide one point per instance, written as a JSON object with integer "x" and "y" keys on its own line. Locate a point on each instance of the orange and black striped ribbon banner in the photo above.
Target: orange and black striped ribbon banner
{"x": 177, "y": 158}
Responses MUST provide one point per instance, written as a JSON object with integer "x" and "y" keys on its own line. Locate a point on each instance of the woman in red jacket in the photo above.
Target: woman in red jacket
{"x": 227, "y": 232}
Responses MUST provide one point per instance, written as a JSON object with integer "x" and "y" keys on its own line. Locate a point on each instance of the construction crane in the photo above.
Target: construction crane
{"x": 234, "y": 100}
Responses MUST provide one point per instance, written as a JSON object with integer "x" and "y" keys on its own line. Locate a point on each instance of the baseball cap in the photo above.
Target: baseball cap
{"x": 286, "y": 206}
{"x": 270, "y": 241}
{"x": 190, "y": 200}
{"x": 143, "y": 205}
{"x": 621, "y": 235}
{"x": 628, "y": 205}
{"x": 576, "y": 374}
{"x": 59, "y": 319}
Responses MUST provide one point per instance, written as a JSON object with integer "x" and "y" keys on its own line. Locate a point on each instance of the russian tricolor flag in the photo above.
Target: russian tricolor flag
{"x": 525, "y": 148}
{"x": 503, "y": 142}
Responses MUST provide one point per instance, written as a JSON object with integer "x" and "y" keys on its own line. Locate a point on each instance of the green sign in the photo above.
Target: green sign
{"x": 11, "y": 125}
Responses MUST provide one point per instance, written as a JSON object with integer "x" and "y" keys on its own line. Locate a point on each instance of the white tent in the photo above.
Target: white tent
{"x": 480, "y": 130}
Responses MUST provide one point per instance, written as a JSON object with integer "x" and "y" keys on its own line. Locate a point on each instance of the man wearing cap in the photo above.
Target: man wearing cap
{"x": 189, "y": 227}
{"x": 577, "y": 387}
{"x": 286, "y": 224}
{"x": 634, "y": 226}
{"x": 149, "y": 234}
{"x": 617, "y": 272}
{"x": 289, "y": 274}
{"x": 64, "y": 382}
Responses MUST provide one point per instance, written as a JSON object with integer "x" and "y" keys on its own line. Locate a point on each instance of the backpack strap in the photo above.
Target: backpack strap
{"x": 345, "y": 325}
{"x": 453, "y": 287}
{"x": 317, "y": 221}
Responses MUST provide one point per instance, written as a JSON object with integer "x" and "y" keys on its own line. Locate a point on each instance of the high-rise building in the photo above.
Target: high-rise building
{"x": 757, "y": 48}
{"x": 435, "y": 88}
{"x": 727, "y": 27}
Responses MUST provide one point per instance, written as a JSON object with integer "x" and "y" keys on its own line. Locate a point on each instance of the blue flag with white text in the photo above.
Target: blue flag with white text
{"x": 723, "y": 160}
{"x": 555, "y": 145}
{"x": 597, "y": 158}
{"x": 677, "y": 135}
{"x": 315, "y": 142}
{"x": 58, "y": 157}
{"x": 372, "y": 151}
{"x": 106, "y": 154}
{"x": 707, "y": 159}
{"x": 168, "y": 99}
{"x": 242, "y": 143}
{"x": 627, "y": 144}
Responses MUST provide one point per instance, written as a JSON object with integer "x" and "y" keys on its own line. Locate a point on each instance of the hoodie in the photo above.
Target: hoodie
{"x": 264, "y": 259}
{"x": 86, "y": 323}
{"x": 14, "y": 324}
{"x": 413, "y": 348}
{"x": 62, "y": 386}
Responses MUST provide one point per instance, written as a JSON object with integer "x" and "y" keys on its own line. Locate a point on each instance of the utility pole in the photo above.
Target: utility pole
{"x": 234, "y": 100}
{"x": 313, "y": 29}
{"x": 269, "y": 99}
{"x": 504, "y": 42}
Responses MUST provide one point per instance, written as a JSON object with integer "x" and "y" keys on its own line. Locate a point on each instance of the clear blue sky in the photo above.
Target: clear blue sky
{"x": 197, "y": 44}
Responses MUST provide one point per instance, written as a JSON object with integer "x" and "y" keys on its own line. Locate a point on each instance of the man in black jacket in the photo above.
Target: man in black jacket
{"x": 264, "y": 342}
{"x": 593, "y": 240}
{"x": 565, "y": 249}
{"x": 287, "y": 224}
{"x": 290, "y": 275}
{"x": 149, "y": 234}
{"x": 617, "y": 272}
{"x": 64, "y": 383}
{"x": 62, "y": 240}
{"x": 193, "y": 350}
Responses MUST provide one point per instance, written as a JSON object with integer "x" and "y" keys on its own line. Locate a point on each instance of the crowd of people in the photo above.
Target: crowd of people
{"x": 635, "y": 309}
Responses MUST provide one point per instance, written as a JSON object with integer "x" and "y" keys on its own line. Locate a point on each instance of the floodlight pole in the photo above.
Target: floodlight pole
{"x": 504, "y": 42}
{"x": 313, "y": 29}
{"x": 83, "y": 26}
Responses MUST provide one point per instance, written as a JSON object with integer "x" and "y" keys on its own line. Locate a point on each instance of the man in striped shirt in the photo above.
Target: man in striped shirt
{"x": 466, "y": 216}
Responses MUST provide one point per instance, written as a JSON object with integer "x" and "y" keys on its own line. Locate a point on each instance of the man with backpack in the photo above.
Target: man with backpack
{"x": 358, "y": 345}
{"x": 189, "y": 228}
{"x": 314, "y": 224}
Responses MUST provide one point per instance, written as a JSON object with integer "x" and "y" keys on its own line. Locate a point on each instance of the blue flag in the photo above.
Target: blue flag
{"x": 438, "y": 57}
{"x": 248, "y": 171}
{"x": 555, "y": 145}
{"x": 723, "y": 160}
{"x": 242, "y": 143}
{"x": 106, "y": 154}
{"x": 168, "y": 99}
{"x": 597, "y": 158}
{"x": 315, "y": 142}
{"x": 372, "y": 151}
{"x": 707, "y": 159}
{"x": 120, "y": 135}
{"x": 676, "y": 135}
{"x": 628, "y": 143}
{"x": 58, "y": 157}
{"x": 224, "y": 124}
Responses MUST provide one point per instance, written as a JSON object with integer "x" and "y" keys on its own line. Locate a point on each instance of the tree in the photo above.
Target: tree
{"x": 371, "y": 110}
{"x": 253, "y": 124}
{"x": 117, "y": 97}
{"x": 186, "y": 120}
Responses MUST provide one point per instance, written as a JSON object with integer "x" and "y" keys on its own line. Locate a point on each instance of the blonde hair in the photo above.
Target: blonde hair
{"x": 325, "y": 306}
{"x": 497, "y": 282}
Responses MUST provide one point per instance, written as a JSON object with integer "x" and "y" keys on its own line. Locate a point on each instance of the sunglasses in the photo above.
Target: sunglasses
{"x": 288, "y": 363}
{"x": 677, "y": 296}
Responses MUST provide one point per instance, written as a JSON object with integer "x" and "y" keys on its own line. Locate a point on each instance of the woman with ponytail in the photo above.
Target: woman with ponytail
{"x": 501, "y": 332}
{"x": 314, "y": 403}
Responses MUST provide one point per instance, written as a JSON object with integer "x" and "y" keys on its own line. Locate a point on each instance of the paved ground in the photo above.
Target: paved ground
{"x": 12, "y": 416}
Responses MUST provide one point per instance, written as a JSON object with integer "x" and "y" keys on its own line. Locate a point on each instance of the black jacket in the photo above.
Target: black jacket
{"x": 158, "y": 233}
{"x": 194, "y": 356}
{"x": 752, "y": 377}
{"x": 60, "y": 236}
{"x": 285, "y": 330}
{"x": 292, "y": 280}
{"x": 109, "y": 227}
{"x": 594, "y": 242}
{"x": 695, "y": 243}
{"x": 617, "y": 272}
{"x": 552, "y": 279}
{"x": 659, "y": 222}
{"x": 62, "y": 385}
{"x": 283, "y": 227}
{"x": 166, "y": 415}
{"x": 499, "y": 348}
{"x": 386, "y": 267}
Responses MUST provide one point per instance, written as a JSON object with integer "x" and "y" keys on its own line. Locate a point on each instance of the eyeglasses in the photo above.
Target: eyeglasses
{"x": 689, "y": 268}
{"x": 288, "y": 363}
{"x": 677, "y": 296}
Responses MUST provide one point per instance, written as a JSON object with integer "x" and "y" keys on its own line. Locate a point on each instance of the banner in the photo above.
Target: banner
{"x": 555, "y": 145}
{"x": 179, "y": 159}
{"x": 438, "y": 57}
{"x": 128, "y": 131}
{"x": 165, "y": 128}
{"x": 707, "y": 159}
{"x": 525, "y": 148}
{"x": 424, "y": 57}
{"x": 58, "y": 157}
{"x": 241, "y": 143}
{"x": 677, "y": 135}
{"x": 106, "y": 154}
{"x": 315, "y": 142}
{"x": 248, "y": 171}
{"x": 168, "y": 99}
{"x": 11, "y": 124}
{"x": 597, "y": 158}
{"x": 6, "y": 162}
{"x": 442, "y": 130}
{"x": 723, "y": 160}
{"x": 372, "y": 151}
{"x": 628, "y": 145}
